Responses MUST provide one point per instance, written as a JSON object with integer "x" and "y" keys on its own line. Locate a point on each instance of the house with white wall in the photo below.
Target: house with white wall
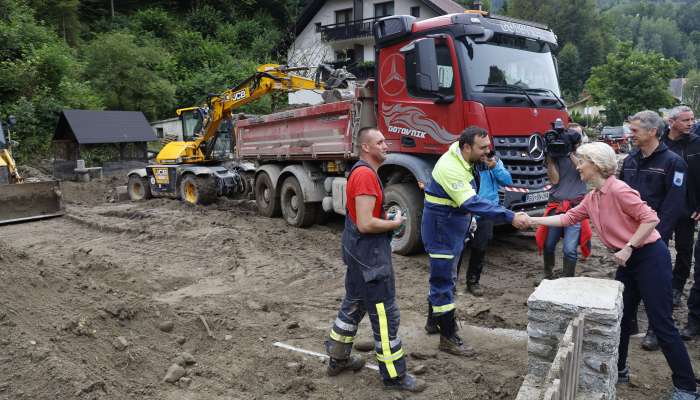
{"x": 340, "y": 32}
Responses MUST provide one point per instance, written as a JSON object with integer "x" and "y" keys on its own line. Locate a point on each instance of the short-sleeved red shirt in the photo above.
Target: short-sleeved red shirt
{"x": 363, "y": 182}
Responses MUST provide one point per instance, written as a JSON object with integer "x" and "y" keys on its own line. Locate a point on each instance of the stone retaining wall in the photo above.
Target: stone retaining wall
{"x": 551, "y": 307}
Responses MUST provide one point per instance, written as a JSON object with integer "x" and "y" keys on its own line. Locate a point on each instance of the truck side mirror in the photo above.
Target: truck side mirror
{"x": 426, "y": 65}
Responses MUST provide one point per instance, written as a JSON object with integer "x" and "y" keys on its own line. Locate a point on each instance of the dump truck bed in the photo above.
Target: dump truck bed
{"x": 319, "y": 132}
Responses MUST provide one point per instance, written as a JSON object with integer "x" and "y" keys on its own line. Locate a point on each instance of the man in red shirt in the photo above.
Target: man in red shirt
{"x": 369, "y": 280}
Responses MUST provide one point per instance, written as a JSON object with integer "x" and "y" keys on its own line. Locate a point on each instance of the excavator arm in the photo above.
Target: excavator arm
{"x": 268, "y": 78}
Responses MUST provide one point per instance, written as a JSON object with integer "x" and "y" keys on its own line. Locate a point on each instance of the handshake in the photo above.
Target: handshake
{"x": 522, "y": 221}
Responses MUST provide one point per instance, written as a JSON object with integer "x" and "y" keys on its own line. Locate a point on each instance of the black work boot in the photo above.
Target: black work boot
{"x": 569, "y": 268}
{"x": 431, "y": 326}
{"x": 677, "y": 297}
{"x": 650, "y": 342}
{"x": 449, "y": 341}
{"x": 456, "y": 346}
{"x": 691, "y": 329}
{"x": 475, "y": 289}
{"x": 354, "y": 363}
{"x": 407, "y": 382}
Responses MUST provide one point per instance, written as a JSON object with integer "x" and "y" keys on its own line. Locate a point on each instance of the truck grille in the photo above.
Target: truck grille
{"x": 526, "y": 172}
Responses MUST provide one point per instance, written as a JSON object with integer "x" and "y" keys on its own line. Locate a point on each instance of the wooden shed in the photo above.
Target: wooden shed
{"x": 113, "y": 140}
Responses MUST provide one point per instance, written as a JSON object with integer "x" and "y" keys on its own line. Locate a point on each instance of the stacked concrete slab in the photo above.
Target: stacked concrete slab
{"x": 551, "y": 307}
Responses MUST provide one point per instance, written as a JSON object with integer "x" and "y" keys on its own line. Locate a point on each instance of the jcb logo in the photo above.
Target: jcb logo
{"x": 239, "y": 95}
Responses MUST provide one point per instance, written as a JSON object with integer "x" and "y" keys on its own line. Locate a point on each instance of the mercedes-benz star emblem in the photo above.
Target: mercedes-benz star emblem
{"x": 535, "y": 147}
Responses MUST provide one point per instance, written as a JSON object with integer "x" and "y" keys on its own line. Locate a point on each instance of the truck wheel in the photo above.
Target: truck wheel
{"x": 265, "y": 198}
{"x": 138, "y": 188}
{"x": 407, "y": 197}
{"x": 294, "y": 210}
{"x": 198, "y": 190}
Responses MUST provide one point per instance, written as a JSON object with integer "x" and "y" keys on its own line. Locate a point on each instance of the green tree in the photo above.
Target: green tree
{"x": 631, "y": 81}
{"x": 39, "y": 75}
{"x": 131, "y": 76}
{"x": 576, "y": 21}
{"x": 691, "y": 92}
{"x": 62, "y": 15}
{"x": 570, "y": 76}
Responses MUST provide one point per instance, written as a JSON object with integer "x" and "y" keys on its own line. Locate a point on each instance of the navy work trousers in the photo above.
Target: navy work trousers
{"x": 647, "y": 277}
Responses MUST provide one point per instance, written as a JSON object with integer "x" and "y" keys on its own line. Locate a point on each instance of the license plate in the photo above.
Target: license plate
{"x": 537, "y": 197}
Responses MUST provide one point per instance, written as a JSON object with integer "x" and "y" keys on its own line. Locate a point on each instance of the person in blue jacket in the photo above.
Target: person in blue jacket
{"x": 450, "y": 201}
{"x": 492, "y": 176}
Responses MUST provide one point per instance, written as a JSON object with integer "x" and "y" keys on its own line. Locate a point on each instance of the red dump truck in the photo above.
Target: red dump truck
{"x": 433, "y": 79}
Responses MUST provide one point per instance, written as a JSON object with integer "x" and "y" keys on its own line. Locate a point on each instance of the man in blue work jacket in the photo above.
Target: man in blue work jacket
{"x": 450, "y": 200}
{"x": 492, "y": 176}
{"x": 659, "y": 175}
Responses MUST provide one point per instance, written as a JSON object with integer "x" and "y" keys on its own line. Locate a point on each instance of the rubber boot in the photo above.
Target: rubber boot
{"x": 548, "y": 265}
{"x": 431, "y": 326}
{"x": 569, "y": 268}
{"x": 450, "y": 342}
{"x": 354, "y": 363}
{"x": 407, "y": 382}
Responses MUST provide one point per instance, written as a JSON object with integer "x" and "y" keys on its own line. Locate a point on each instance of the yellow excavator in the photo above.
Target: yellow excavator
{"x": 192, "y": 170}
{"x": 21, "y": 200}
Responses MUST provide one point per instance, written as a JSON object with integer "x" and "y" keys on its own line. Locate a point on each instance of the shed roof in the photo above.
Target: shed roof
{"x": 93, "y": 127}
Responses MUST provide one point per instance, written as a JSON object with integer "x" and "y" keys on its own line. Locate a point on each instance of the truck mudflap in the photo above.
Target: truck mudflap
{"x": 29, "y": 201}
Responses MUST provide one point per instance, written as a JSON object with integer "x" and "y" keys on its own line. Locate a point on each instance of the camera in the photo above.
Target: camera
{"x": 559, "y": 141}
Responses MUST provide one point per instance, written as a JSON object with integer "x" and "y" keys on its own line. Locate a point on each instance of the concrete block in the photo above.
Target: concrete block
{"x": 82, "y": 174}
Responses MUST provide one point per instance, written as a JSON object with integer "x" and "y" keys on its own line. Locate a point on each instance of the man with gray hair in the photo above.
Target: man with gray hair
{"x": 677, "y": 138}
{"x": 659, "y": 175}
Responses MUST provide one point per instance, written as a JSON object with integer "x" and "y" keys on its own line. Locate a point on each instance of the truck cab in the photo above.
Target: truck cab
{"x": 437, "y": 77}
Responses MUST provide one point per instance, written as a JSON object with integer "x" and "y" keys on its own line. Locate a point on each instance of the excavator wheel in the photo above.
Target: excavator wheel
{"x": 198, "y": 190}
{"x": 294, "y": 210}
{"x": 138, "y": 188}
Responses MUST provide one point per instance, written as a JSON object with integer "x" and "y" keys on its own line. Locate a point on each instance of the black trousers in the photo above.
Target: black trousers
{"x": 482, "y": 237}
{"x": 683, "y": 234}
{"x": 694, "y": 298}
{"x": 647, "y": 277}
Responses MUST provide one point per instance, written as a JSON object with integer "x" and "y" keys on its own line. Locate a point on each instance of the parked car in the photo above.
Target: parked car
{"x": 618, "y": 137}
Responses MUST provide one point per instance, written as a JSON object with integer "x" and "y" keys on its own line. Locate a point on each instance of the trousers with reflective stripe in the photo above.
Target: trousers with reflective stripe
{"x": 373, "y": 294}
{"x": 443, "y": 230}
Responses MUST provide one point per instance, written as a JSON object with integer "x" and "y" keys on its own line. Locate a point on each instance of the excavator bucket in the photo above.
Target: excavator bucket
{"x": 32, "y": 200}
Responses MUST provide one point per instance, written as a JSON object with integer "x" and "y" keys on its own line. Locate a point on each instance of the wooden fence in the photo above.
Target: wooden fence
{"x": 567, "y": 363}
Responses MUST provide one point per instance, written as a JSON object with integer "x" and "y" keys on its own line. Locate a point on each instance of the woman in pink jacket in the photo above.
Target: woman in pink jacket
{"x": 626, "y": 225}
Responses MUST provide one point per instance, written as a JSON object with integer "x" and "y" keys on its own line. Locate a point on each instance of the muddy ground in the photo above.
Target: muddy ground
{"x": 98, "y": 304}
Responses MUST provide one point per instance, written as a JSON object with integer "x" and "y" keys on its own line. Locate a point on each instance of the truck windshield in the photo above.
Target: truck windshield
{"x": 510, "y": 61}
